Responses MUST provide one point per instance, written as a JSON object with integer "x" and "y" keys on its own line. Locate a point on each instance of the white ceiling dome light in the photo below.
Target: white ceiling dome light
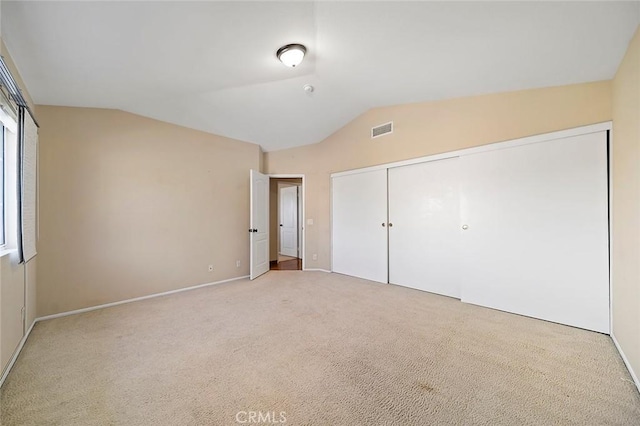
{"x": 292, "y": 54}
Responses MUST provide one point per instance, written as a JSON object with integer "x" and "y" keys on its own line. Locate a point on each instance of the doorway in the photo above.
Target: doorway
{"x": 285, "y": 213}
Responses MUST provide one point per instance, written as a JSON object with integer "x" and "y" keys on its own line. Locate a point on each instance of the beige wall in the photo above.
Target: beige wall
{"x": 430, "y": 128}
{"x": 31, "y": 309}
{"x": 12, "y": 296}
{"x": 626, "y": 204}
{"x": 261, "y": 161}
{"x": 132, "y": 206}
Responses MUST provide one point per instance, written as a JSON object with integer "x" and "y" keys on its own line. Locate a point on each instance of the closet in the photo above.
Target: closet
{"x": 520, "y": 226}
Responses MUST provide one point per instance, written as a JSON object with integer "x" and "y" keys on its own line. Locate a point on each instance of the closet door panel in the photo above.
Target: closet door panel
{"x": 537, "y": 237}
{"x": 424, "y": 241}
{"x": 359, "y": 239}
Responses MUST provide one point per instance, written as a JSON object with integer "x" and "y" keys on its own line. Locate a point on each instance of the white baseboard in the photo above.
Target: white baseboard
{"x": 316, "y": 270}
{"x": 626, "y": 362}
{"x": 136, "y": 299}
{"x": 16, "y": 353}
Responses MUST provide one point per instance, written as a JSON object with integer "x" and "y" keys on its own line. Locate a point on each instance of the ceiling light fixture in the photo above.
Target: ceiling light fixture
{"x": 291, "y": 55}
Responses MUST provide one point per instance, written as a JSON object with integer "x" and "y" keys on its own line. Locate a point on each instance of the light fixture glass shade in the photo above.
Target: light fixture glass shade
{"x": 292, "y": 54}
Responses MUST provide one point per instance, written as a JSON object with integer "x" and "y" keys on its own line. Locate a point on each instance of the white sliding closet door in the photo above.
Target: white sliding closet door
{"x": 359, "y": 225}
{"x": 537, "y": 237}
{"x": 424, "y": 241}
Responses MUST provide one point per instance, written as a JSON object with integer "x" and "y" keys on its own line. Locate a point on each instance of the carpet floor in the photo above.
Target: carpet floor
{"x": 311, "y": 348}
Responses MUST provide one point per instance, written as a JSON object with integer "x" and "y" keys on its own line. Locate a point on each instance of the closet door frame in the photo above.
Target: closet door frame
{"x": 544, "y": 137}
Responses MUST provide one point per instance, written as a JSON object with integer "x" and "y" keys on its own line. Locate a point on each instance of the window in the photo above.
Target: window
{"x": 8, "y": 179}
{"x": 2, "y": 191}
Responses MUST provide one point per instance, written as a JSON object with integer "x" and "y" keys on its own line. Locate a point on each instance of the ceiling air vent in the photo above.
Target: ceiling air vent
{"x": 381, "y": 130}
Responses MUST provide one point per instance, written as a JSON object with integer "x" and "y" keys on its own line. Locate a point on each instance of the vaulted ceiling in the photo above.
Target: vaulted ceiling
{"x": 212, "y": 65}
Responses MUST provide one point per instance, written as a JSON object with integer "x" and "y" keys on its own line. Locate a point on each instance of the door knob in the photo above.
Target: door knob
{"x": 390, "y": 224}
{"x": 280, "y": 224}
{"x": 384, "y": 224}
{"x": 465, "y": 227}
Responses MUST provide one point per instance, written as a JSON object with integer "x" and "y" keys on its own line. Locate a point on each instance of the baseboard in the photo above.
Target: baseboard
{"x": 626, "y": 362}
{"x": 136, "y": 299}
{"x": 316, "y": 270}
{"x": 16, "y": 353}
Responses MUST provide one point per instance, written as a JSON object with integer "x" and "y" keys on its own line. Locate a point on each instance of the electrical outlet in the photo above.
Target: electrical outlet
{"x": 315, "y": 256}
{"x": 210, "y": 268}
{"x": 237, "y": 263}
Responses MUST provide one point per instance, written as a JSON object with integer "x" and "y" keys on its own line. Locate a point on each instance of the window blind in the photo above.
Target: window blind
{"x": 27, "y": 157}
{"x": 28, "y": 187}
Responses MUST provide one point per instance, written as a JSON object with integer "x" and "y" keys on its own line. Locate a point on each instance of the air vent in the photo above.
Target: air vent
{"x": 381, "y": 130}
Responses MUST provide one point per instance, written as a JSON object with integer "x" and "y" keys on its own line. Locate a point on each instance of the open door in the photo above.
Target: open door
{"x": 259, "y": 227}
{"x": 289, "y": 221}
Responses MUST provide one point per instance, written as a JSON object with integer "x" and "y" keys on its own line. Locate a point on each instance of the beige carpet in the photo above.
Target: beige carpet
{"x": 324, "y": 349}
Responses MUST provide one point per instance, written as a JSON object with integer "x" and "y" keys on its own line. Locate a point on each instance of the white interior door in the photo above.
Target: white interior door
{"x": 288, "y": 220}
{"x": 537, "y": 236}
{"x": 424, "y": 226}
{"x": 259, "y": 227}
{"x": 359, "y": 232}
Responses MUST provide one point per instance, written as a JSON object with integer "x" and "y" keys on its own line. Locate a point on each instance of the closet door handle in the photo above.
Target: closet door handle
{"x": 384, "y": 224}
{"x": 390, "y": 224}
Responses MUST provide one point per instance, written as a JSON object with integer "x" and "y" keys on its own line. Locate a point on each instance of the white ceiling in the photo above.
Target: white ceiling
{"x": 212, "y": 65}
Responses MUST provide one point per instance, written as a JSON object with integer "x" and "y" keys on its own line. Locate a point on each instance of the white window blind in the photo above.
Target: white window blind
{"x": 28, "y": 187}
